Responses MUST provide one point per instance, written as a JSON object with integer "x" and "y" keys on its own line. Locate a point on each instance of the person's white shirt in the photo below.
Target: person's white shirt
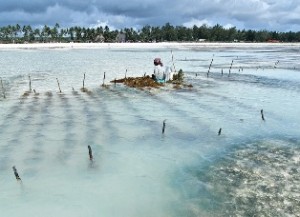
{"x": 159, "y": 72}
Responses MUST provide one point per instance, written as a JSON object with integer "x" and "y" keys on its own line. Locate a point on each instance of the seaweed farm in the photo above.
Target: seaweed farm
{"x": 226, "y": 142}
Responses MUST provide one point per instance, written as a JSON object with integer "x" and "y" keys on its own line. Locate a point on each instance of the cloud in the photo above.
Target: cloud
{"x": 197, "y": 22}
{"x": 278, "y": 15}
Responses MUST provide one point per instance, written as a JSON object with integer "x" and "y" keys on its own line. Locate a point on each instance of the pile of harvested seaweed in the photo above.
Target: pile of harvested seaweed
{"x": 148, "y": 82}
{"x": 138, "y": 82}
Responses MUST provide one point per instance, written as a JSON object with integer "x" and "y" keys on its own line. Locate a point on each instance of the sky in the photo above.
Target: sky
{"x": 272, "y": 15}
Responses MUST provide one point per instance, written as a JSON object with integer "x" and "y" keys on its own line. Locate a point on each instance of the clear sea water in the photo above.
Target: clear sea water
{"x": 251, "y": 169}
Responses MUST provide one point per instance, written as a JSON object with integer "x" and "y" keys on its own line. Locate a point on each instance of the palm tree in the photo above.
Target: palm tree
{"x": 46, "y": 32}
{"x": 27, "y": 33}
{"x": 106, "y": 33}
{"x": 78, "y": 35}
{"x": 37, "y": 33}
{"x": 146, "y": 33}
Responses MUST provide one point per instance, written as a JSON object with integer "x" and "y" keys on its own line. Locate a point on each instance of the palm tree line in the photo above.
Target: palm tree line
{"x": 167, "y": 32}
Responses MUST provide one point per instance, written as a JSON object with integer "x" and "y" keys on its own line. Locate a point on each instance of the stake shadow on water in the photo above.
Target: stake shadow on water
{"x": 223, "y": 98}
{"x": 9, "y": 118}
{"x": 172, "y": 110}
{"x": 91, "y": 117}
{"x": 68, "y": 114}
{"x": 15, "y": 143}
{"x": 98, "y": 120}
{"x": 141, "y": 119}
{"x": 131, "y": 113}
{"x": 155, "y": 125}
{"x": 169, "y": 111}
{"x": 68, "y": 125}
{"x": 203, "y": 107}
{"x": 251, "y": 113}
{"x": 100, "y": 102}
{"x": 34, "y": 150}
{"x": 36, "y": 155}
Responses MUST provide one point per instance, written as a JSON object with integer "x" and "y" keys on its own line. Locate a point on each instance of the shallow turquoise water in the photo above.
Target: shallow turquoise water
{"x": 137, "y": 171}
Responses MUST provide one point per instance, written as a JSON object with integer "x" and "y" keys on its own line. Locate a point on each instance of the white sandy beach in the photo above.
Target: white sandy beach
{"x": 174, "y": 45}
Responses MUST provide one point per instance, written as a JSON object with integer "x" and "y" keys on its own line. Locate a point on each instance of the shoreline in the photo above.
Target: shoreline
{"x": 181, "y": 45}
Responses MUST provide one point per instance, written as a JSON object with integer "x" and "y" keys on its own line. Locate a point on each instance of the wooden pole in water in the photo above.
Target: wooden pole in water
{"x": 30, "y": 89}
{"x": 163, "y": 127}
{"x": 58, "y": 85}
{"x": 83, "y": 81}
{"x": 210, "y": 66}
{"x": 173, "y": 60}
{"x": 90, "y": 152}
{"x": 230, "y": 68}
{"x": 262, "y": 115}
{"x": 3, "y": 91}
{"x": 16, "y": 173}
{"x": 103, "y": 79}
{"x": 220, "y": 131}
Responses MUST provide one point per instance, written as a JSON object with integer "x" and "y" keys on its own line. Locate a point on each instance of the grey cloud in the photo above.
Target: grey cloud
{"x": 32, "y": 6}
{"x": 132, "y": 13}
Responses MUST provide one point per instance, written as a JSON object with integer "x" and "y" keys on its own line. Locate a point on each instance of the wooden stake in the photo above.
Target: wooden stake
{"x": 35, "y": 93}
{"x": 90, "y": 152}
{"x": 83, "y": 81}
{"x": 262, "y": 114}
{"x": 220, "y": 131}
{"x": 16, "y": 173}
{"x": 30, "y": 89}
{"x": 230, "y": 68}
{"x": 173, "y": 60}
{"x": 103, "y": 79}
{"x": 58, "y": 85}
{"x": 210, "y": 66}
{"x": 163, "y": 127}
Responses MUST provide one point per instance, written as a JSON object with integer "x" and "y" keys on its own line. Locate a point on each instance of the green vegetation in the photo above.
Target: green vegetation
{"x": 28, "y": 34}
{"x": 178, "y": 76}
